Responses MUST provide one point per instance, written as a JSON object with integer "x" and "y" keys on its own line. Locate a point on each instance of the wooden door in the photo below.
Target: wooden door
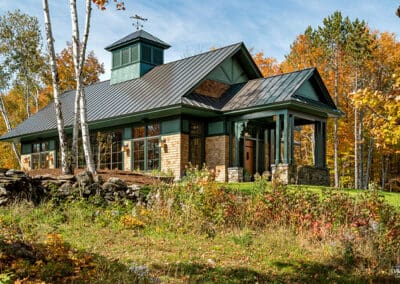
{"x": 249, "y": 156}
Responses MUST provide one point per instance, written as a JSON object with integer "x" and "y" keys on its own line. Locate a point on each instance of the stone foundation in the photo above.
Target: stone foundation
{"x": 235, "y": 174}
{"x": 217, "y": 156}
{"x": 284, "y": 173}
{"x": 313, "y": 176}
{"x": 291, "y": 174}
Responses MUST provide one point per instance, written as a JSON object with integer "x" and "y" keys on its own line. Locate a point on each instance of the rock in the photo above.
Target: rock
{"x": 3, "y": 200}
{"x": 66, "y": 177}
{"x": 3, "y": 191}
{"x": 65, "y": 190}
{"x": 3, "y": 170}
{"x": 99, "y": 179}
{"x": 119, "y": 183}
{"x": 92, "y": 189}
{"x": 15, "y": 173}
{"x": 84, "y": 178}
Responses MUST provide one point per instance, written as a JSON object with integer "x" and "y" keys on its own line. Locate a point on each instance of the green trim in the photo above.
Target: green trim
{"x": 170, "y": 126}
{"x": 216, "y": 128}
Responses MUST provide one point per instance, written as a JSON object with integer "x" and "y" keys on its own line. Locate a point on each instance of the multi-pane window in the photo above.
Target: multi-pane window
{"x": 40, "y": 158}
{"x": 146, "y": 149}
{"x": 106, "y": 150}
{"x": 196, "y": 144}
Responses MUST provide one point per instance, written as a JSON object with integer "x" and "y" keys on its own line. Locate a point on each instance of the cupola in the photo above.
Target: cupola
{"x": 134, "y": 55}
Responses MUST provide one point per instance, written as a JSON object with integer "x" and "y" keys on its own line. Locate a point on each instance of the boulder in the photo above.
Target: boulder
{"x": 15, "y": 173}
{"x": 84, "y": 178}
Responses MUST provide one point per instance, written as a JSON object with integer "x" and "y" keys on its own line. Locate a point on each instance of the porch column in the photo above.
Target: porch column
{"x": 277, "y": 139}
{"x": 288, "y": 138}
{"x": 320, "y": 144}
{"x": 238, "y": 128}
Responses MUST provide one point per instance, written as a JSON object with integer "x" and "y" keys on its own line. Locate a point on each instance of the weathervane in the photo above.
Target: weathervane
{"x": 138, "y": 18}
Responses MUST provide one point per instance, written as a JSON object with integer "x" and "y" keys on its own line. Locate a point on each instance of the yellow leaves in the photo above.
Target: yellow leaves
{"x": 268, "y": 65}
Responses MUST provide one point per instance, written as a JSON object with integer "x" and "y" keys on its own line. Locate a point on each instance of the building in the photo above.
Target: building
{"x": 213, "y": 108}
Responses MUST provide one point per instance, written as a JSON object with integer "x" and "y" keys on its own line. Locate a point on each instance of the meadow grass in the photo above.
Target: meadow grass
{"x": 199, "y": 233}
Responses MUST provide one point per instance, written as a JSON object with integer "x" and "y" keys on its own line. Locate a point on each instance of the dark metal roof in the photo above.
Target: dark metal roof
{"x": 163, "y": 86}
{"x": 264, "y": 91}
{"x": 137, "y": 36}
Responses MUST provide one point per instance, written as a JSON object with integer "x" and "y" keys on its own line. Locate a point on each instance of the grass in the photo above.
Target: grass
{"x": 110, "y": 240}
{"x": 392, "y": 198}
{"x": 234, "y": 256}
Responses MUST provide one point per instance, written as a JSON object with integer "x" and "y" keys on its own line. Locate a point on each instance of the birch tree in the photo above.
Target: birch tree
{"x": 65, "y": 165}
{"x": 79, "y": 52}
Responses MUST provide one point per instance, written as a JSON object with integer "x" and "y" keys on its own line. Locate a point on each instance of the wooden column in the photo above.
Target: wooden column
{"x": 288, "y": 126}
{"x": 320, "y": 144}
{"x": 278, "y": 139}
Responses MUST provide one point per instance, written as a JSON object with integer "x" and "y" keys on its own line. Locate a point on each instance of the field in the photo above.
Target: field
{"x": 202, "y": 232}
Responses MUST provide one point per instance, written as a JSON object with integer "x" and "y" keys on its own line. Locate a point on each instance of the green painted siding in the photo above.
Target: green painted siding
{"x": 26, "y": 148}
{"x": 217, "y": 127}
{"x": 229, "y": 72}
{"x": 125, "y": 73}
{"x": 307, "y": 91}
{"x": 127, "y": 134}
{"x": 52, "y": 145}
{"x": 185, "y": 125}
{"x": 170, "y": 126}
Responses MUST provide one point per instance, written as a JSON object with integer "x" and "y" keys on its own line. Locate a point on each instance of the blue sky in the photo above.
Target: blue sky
{"x": 191, "y": 27}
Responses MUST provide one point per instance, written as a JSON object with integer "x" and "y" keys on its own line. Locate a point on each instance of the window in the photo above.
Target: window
{"x": 106, "y": 149}
{"x": 146, "y": 53}
{"x": 135, "y": 53}
{"x": 157, "y": 56}
{"x": 125, "y": 56}
{"x": 196, "y": 143}
{"x": 116, "y": 58}
{"x": 146, "y": 149}
{"x": 40, "y": 158}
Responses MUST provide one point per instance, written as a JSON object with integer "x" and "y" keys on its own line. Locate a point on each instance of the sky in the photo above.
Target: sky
{"x": 191, "y": 27}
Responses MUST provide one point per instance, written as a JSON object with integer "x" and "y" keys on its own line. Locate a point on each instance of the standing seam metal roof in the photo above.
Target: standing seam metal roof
{"x": 163, "y": 86}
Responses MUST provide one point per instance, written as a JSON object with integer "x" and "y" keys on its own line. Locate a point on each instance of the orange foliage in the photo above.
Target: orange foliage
{"x": 268, "y": 65}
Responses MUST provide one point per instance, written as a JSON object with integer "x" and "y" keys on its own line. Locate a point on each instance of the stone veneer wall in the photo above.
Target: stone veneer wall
{"x": 127, "y": 154}
{"x": 217, "y": 156}
{"x": 313, "y": 175}
{"x": 175, "y": 154}
{"x": 26, "y": 162}
{"x": 285, "y": 173}
{"x": 291, "y": 174}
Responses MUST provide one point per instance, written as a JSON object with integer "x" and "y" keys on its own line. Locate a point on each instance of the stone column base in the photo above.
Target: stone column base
{"x": 284, "y": 173}
{"x": 235, "y": 174}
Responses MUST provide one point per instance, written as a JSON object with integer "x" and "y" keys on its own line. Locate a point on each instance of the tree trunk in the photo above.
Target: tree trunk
{"x": 336, "y": 123}
{"x": 385, "y": 163}
{"x": 369, "y": 161}
{"x": 356, "y": 170}
{"x": 8, "y": 126}
{"x": 361, "y": 150}
{"x": 56, "y": 87}
{"x": 75, "y": 52}
{"x": 79, "y": 51}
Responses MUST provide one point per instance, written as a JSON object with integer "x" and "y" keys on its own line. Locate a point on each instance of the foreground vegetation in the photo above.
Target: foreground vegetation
{"x": 199, "y": 231}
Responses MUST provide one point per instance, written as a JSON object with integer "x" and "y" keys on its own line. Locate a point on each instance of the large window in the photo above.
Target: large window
{"x": 106, "y": 150}
{"x": 146, "y": 149}
{"x": 40, "y": 158}
{"x": 196, "y": 145}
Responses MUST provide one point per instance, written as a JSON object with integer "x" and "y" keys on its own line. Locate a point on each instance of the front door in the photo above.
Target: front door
{"x": 249, "y": 156}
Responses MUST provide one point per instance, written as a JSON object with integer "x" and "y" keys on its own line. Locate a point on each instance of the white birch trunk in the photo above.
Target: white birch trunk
{"x": 57, "y": 103}
{"x": 8, "y": 126}
{"x": 75, "y": 54}
{"x": 79, "y": 51}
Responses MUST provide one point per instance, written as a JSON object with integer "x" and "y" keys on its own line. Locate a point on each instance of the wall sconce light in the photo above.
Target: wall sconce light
{"x": 126, "y": 149}
{"x": 163, "y": 143}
